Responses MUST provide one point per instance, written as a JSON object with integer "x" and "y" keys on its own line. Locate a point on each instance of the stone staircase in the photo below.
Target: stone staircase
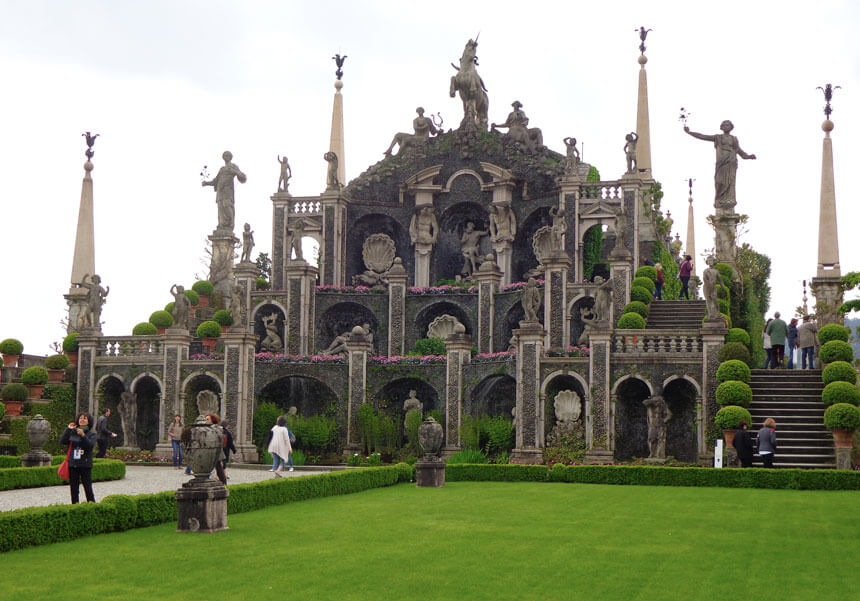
{"x": 675, "y": 315}
{"x": 793, "y": 399}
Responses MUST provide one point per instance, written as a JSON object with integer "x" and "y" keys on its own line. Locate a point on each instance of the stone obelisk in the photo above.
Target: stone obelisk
{"x": 643, "y": 127}
{"x": 84, "y": 259}
{"x": 690, "y": 247}
{"x": 336, "y": 143}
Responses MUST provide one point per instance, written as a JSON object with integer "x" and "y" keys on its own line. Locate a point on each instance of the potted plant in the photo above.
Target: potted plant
{"x": 223, "y": 318}
{"x": 727, "y": 420}
{"x": 144, "y": 328}
{"x": 1, "y": 368}
{"x": 631, "y": 321}
{"x": 204, "y": 289}
{"x": 161, "y": 320}
{"x": 842, "y": 419}
{"x": 70, "y": 347}
{"x": 35, "y": 378}
{"x": 209, "y": 331}
{"x": 734, "y": 392}
{"x": 13, "y": 395}
{"x": 840, "y": 392}
{"x": 193, "y": 300}
{"x": 56, "y": 365}
{"x": 11, "y": 350}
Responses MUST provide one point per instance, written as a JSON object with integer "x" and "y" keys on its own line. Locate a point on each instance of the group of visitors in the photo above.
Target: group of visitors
{"x": 777, "y": 335}
{"x": 766, "y": 442}
{"x": 685, "y": 269}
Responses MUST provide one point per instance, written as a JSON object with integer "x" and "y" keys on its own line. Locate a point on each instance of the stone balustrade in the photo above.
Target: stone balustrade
{"x": 130, "y": 346}
{"x": 603, "y": 190}
{"x": 643, "y": 342}
{"x": 306, "y": 207}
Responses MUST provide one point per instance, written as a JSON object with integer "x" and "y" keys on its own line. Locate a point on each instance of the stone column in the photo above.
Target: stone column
{"x": 621, "y": 270}
{"x": 713, "y": 338}
{"x": 397, "y": 278}
{"x": 459, "y": 351}
{"x": 598, "y": 416}
{"x": 301, "y": 290}
{"x": 280, "y": 212}
{"x": 359, "y": 349}
{"x": 333, "y": 250}
{"x": 489, "y": 276}
{"x": 504, "y": 253}
{"x": 221, "y": 264}
{"x": 237, "y": 399}
{"x": 88, "y": 347}
{"x": 557, "y": 266}
{"x": 175, "y": 347}
{"x": 530, "y": 412}
{"x": 725, "y": 224}
{"x": 246, "y": 278}
{"x": 643, "y": 126}
{"x": 423, "y": 251}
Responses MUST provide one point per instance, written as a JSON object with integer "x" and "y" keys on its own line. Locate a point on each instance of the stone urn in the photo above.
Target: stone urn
{"x": 729, "y": 435}
{"x": 430, "y": 438}
{"x": 38, "y": 431}
{"x": 203, "y": 449}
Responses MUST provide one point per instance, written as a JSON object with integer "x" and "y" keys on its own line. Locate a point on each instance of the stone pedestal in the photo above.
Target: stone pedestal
{"x": 221, "y": 263}
{"x": 422, "y": 263}
{"x": 557, "y": 265}
{"x": 246, "y": 279}
{"x": 725, "y": 224}
{"x": 175, "y": 347}
{"x": 843, "y": 458}
{"x": 621, "y": 270}
{"x": 504, "y": 253}
{"x": 358, "y": 350}
{"x": 489, "y": 276}
{"x": 530, "y": 414}
{"x": 76, "y": 299}
{"x": 301, "y": 290}
{"x": 88, "y": 346}
{"x": 430, "y": 473}
{"x": 281, "y": 202}
{"x": 237, "y": 398}
{"x": 829, "y": 296}
{"x": 38, "y": 431}
{"x": 598, "y": 417}
{"x": 333, "y": 250}
{"x": 202, "y": 507}
{"x": 397, "y": 278}
{"x": 713, "y": 338}
{"x": 459, "y": 353}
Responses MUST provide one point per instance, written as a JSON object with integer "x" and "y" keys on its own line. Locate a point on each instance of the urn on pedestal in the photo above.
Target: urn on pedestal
{"x": 38, "y": 431}
{"x": 430, "y": 470}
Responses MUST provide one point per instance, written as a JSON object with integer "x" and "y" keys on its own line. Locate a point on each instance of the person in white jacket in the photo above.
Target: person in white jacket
{"x": 280, "y": 447}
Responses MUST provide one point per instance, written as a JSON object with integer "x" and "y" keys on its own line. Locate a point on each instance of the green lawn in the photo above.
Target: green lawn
{"x": 472, "y": 540}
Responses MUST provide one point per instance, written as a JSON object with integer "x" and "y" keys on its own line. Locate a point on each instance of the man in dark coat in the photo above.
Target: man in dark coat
{"x": 743, "y": 444}
{"x": 104, "y": 435}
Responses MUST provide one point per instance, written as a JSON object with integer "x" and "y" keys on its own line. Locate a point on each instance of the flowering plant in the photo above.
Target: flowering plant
{"x": 282, "y": 358}
{"x": 570, "y": 351}
{"x": 352, "y": 289}
{"x": 444, "y": 289}
{"x": 128, "y": 456}
{"x": 518, "y": 286}
{"x": 207, "y": 356}
{"x": 408, "y": 360}
{"x": 500, "y": 356}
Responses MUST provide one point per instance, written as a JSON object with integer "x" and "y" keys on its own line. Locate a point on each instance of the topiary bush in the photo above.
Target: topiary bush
{"x": 738, "y": 335}
{"x": 193, "y": 298}
{"x": 734, "y": 350}
{"x": 645, "y": 283}
{"x": 161, "y": 319}
{"x": 144, "y": 328}
{"x": 11, "y": 346}
{"x": 728, "y": 417}
{"x": 840, "y": 392}
{"x": 833, "y": 331}
{"x": 169, "y": 307}
{"x": 57, "y": 362}
{"x": 36, "y": 375}
{"x": 646, "y": 271}
{"x": 734, "y": 369}
{"x": 631, "y": 321}
{"x": 203, "y": 287}
{"x": 839, "y": 371}
{"x": 2, "y": 412}
{"x": 223, "y": 317}
{"x": 640, "y": 294}
{"x": 636, "y": 307}
{"x": 734, "y": 392}
{"x": 836, "y": 350}
{"x": 842, "y": 416}
{"x": 70, "y": 343}
{"x": 14, "y": 392}
{"x": 208, "y": 329}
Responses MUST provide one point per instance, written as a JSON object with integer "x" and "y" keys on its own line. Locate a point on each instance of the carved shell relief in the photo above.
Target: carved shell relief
{"x": 442, "y": 327}
{"x": 378, "y": 252}
{"x": 568, "y": 406}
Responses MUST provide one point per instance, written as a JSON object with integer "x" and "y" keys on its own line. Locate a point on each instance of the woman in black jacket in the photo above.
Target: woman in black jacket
{"x": 82, "y": 439}
{"x": 744, "y": 444}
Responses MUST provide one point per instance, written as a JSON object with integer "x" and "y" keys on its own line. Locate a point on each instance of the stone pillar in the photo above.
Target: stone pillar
{"x": 301, "y": 290}
{"x": 459, "y": 351}
{"x": 599, "y": 435}
{"x": 359, "y": 349}
{"x": 88, "y": 347}
{"x": 504, "y": 253}
{"x": 489, "y": 276}
{"x": 843, "y": 458}
{"x": 221, "y": 264}
{"x": 643, "y": 126}
{"x": 829, "y": 297}
{"x": 397, "y": 278}
{"x": 336, "y": 142}
{"x": 713, "y": 338}
{"x": 530, "y": 412}
{"x": 280, "y": 213}
{"x": 826, "y": 285}
{"x": 557, "y": 266}
{"x": 423, "y": 251}
{"x": 621, "y": 270}
{"x": 237, "y": 398}
{"x": 246, "y": 278}
{"x": 333, "y": 249}
{"x": 175, "y": 347}
{"x": 725, "y": 224}
{"x": 690, "y": 247}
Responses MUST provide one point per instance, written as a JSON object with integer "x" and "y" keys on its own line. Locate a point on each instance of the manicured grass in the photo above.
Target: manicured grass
{"x": 477, "y": 540}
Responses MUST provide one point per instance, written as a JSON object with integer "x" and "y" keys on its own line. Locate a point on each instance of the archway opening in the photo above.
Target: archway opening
{"x": 495, "y": 395}
{"x": 631, "y": 421}
{"x": 681, "y": 431}
{"x": 148, "y": 394}
{"x": 340, "y": 319}
{"x": 195, "y": 386}
{"x": 577, "y": 326}
{"x": 108, "y": 393}
{"x": 308, "y": 395}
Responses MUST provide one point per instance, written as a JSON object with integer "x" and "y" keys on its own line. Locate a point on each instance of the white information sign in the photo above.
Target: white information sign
{"x": 718, "y": 453}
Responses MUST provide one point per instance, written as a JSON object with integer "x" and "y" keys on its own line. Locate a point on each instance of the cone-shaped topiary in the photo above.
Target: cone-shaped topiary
{"x": 208, "y": 329}
{"x": 738, "y": 335}
{"x": 734, "y": 392}
{"x": 836, "y": 350}
{"x": 631, "y": 321}
{"x": 11, "y": 346}
{"x": 645, "y": 283}
{"x": 57, "y": 362}
{"x": 725, "y": 309}
{"x": 638, "y": 293}
{"x": 636, "y": 307}
{"x": 839, "y": 371}
{"x": 193, "y": 297}
{"x": 840, "y": 392}
{"x": 734, "y": 350}
{"x": 203, "y": 287}
{"x": 646, "y": 271}
{"x": 833, "y": 331}
{"x": 34, "y": 375}
{"x": 70, "y": 343}
{"x": 14, "y": 392}
{"x": 223, "y": 317}
{"x": 734, "y": 369}
{"x": 842, "y": 416}
{"x": 144, "y": 329}
{"x": 728, "y": 417}
{"x": 161, "y": 319}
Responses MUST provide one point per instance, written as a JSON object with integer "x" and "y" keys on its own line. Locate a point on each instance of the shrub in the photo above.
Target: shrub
{"x": 734, "y": 392}
{"x": 33, "y": 477}
{"x": 645, "y": 283}
{"x": 223, "y": 317}
{"x": 10, "y": 346}
{"x": 733, "y": 369}
{"x": 636, "y": 307}
{"x": 734, "y": 350}
{"x": 144, "y": 328}
{"x": 723, "y": 292}
{"x": 631, "y": 321}
{"x": 203, "y": 287}
{"x": 316, "y": 434}
{"x": 262, "y": 284}
{"x": 208, "y": 329}
{"x": 842, "y": 416}
{"x": 57, "y": 362}
{"x": 169, "y": 307}
{"x": 833, "y": 331}
{"x": 646, "y": 271}
{"x": 728, "y": 417}
{"x": 725, "y": 271}
{"x": 412, "y": 423}
{"x": 1, "y": 361}
{"x": 840, "y": 392}
{"x": 387, "y": 434}
{"x": 839, "y": 371}
{"x": 161, "y": 319}
{"x": 467, "y": 456}
{"x": 638, "y": 293}
{"x": 193, "y": 298}
{"x": 2, "y": 415}
{"x": 14, "y": 392}
{"x": 265, "y": 416}
{"x": 738, "y": 335}
{"x": 836, "y": 350}
{"x": 70, "y": 343}
{"x": 429, "y": 346}
{"x": 725, "y": 308}
{"x": 367, "y": 421}
{"x": 35, "y": 375}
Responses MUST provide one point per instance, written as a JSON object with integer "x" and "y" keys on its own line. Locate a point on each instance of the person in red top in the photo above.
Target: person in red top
{"x": 658, "y": 283}
{"x": 684, "y": 271}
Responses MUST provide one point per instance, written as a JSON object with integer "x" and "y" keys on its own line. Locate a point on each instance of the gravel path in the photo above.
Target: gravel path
{"x": 138, "y": 480}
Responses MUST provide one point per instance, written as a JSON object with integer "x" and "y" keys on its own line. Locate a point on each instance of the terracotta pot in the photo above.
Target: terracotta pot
{"x": 73, "y": 357}
{"x": 843, "y": 438}
{"x": 10, "y": 360}
{"x": 209, "y": 344}
{"x": 35, "y": 390}
{"x": 224, "y": 329}
{"x": 160, "y": 330}
{"x": 56, "y": 376}
{"x": 729, "y": 435}
{"x": 204, "y": 300}
{"x": 13, "y": 407}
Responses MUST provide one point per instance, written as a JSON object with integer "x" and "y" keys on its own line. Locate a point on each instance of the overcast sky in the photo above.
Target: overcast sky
{"x": 170, "y": 85}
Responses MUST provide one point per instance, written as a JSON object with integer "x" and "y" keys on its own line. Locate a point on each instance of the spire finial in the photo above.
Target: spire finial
{"x": 828, "y": 96}
{"x": 91, "y": 140}
{"x": 643, "y": 33}
{"x": 339, "y": 60}
{"x": 690, "y": 183}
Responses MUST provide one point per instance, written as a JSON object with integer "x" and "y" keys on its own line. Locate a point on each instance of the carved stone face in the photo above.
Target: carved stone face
{"x": 227, "y": 156}
{"x": 727, "y": 126}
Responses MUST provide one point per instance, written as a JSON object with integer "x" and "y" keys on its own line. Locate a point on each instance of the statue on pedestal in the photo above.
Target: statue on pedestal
{"x": 658, "y": 416}
{"x": 331, "y": 182}
{"x": 503, "y": 223}
{"x": 236, "y": 305}
{"x": 710, "y": 277}
{"x": 91, "y": 314}
{"x": 620, "y": 229}
{"x": 728, "y": 149}
{"x": 127, "y": 409}
{"x": 469, "y": 242}
{"x": 272, "y": 342}
{"x": 247, "y": 244}
{"x": 224, "y": 193}
{"x": 472, "y": 90}
{"x": 602, "y": 299}
{"x": 423, "y": 128}
{"x": 424, "y": 229}
{"x": 531, "y": 139}
{"x": 572, "y": 159}
{"x": 630, "y": 151}
{"x": 588, "y": 318}
{"x": 296, "y": 233}
{"x": 531, "y": 300}
{"x": 180, "y": 306}
{"x": 286, "y": 174}
{"x": 559, "y": 227}
{"x": 412, "y": 403}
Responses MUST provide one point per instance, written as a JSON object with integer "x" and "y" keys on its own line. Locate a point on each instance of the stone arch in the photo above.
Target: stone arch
{"x": 447, "y": 254}
{"x": 631, "y": 422}
{"x": 600, "y": 267}
{"x": 265, "y": 309}
{"x": 389, "y": 399}
{"x": 431, "y": 312}
{"x": 309, "y": 395}
{"x": 686, "y": 377}
{"x": 495, "y": 395}
{"x": 682, "y": 394}
{"x": 191, "y": 387}
{"x": 109, "y": 389}
{"x": 574, "y": 316}
{"x": 113, "y": 374}
{"x": 341, "y": 318}
{"x": 450, "y": 183}
{"x": 555, "y": 383}
{"x": 364, "y": 227}
{"x": 266, "y": 303}
{"x": 523, "y": 257}
{"x": 147, "y": 388}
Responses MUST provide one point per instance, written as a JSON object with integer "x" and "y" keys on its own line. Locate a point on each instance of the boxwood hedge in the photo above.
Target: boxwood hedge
{"x": 32, "y": 477}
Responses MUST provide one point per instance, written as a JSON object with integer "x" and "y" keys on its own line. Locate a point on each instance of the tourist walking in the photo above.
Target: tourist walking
{"x": 684, "y": 271}
{"x": 791, "y": 341}
{"x": 777, "y": 330}
{"x": 767, "y": 442}
{"x": 807, "y": 340}
{"x": 743, "y": 444}
{"x": 227, "y": 446}
{"x": 174, "y": 435}
{"x": 103, "y": 434}
{"x": 279, "y": 446}
{"x": 82, "y": 441}
{"x": 766, "y": 345}
{"x": 658, "y": 283}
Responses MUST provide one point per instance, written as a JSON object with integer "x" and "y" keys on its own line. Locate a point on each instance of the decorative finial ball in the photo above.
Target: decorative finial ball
{"x": 358, "y": 331}
{"x": 642, "y": 59}
{"x": 338, "y": 84}
{"x": 827, "y": 126}
{"x": 459, "y": 328}
{"x": 88, "y": 166}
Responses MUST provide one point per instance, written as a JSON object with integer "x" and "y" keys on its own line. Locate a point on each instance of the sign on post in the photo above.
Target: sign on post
{"x": 718, "y": 453}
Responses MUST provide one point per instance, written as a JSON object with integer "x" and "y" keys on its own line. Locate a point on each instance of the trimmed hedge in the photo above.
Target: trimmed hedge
{"x": 144, "y": 328}
{"x": 734, "y": 392}
{"x": 193, "y": 297}
{"x": 833, "y": 331}
{"x": 738, "y": 335}
{"x": 208, "y": 329}
{"x": 223, "y": 317}
{"x": 842, "y": 416}
{"x": 734, "y": 369}
{"x": 34, "y": 477}
{"x": 645, "y": 283}
{"x": 203, "y": 287}
{"x": 57, "y": 362}
{"x": 70, "y": 342}
{"x": 636, "y": 307}
{"x": 34, "y": 375}
{"x": 839, "y": 371}
{"x": 646, "y": 271}
{"x": 11, "y": 346}
{"x": 14, "y": 392}
{"x": 638, "y": 293}
{"x": 836, "y": 350}
{"x": 631, "y": 321}
{"x": 840, "y": 392}
{"x": 734, "y": 350}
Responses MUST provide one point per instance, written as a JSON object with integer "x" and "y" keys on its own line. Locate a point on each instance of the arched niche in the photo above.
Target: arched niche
{"x": 194, "y": 386}
{"x": 555, "y": 385}
{"x": 262, "y": 311}
{"x": 680, "y": 395}
{"x": 631, "y": 421}
{"x": 108, "y": 392}
{"x": 431, "y": 312}
{"x": 448, "y": 257}
{"x": 523, "y": 257}
{"x": 495, "y": 395}
{"x": 308, "y": 395}
{"x": 147, "y": 390}
{"x": 363, "y": 228}
{"x": 389, "y": 399}
{"x": 577, "y": 326}
{"x": 596, "y": 244}
{"x": 342, "y": 318}
{"x": 505, "y": 327}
